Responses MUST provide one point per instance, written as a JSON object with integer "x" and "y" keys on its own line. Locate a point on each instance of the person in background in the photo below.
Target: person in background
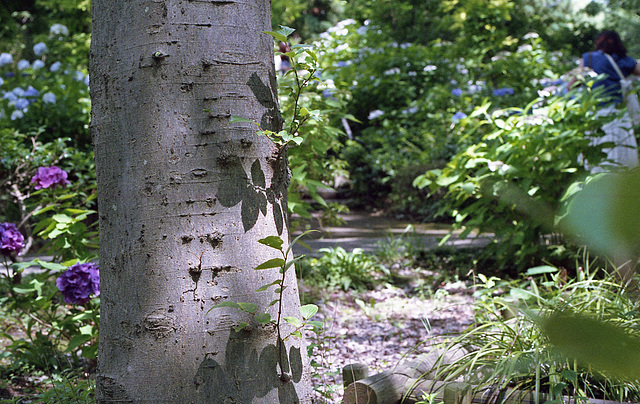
{"x": 620, "y": 130}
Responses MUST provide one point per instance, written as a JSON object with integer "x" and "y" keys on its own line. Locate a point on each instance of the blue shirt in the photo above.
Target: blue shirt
{"x": 601, "y": 65}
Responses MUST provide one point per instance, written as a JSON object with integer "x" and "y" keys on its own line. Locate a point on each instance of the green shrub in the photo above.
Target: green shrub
{"x": 511, "y": 180}
{"x": 337, "y": 268}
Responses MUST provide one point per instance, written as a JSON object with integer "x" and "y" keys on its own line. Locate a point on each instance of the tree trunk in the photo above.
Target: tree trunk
{"x": 184, "y": 195}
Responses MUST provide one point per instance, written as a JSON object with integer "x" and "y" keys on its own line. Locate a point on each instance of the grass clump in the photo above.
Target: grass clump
{"x": 512, "y": 348}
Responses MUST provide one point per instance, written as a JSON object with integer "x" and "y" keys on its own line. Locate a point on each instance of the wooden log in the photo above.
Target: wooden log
{"x": 392, "y": 390}
{"x": 354, "y": 372}
{"x": 414, "y": 390}
{"x": 390, "y": 386}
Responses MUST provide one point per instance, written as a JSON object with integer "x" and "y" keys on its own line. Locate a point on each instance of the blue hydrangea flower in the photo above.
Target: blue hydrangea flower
{"x": 499, "y": 92}
{"x": 49, "y": 98}
{"x": 375, "y": 114}
{"x": 1, "y": 81}
{"x": 59, "y": 29}
{"x": 341, "y": 64}
{"x": 458, "y": 116}
{"x": 31, "y": 92}
{"x": 21, "y": 103}
{"x": 5, "y": 59}
{"x": 18, "y": 91}
{"x": 23, "y": 64}
{"x": 39, "y": 49}
{"x": 86, "y": 80}
{"x": 38, "y": 64}
{"x": 16, "y": 115}
{"x": 456, "y": 92}
{"x": 55, "y": 67}
{"x": 10, "y": 96}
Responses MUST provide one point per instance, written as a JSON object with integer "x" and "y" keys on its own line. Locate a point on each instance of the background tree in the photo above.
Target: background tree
{"x": 184, "y": 196}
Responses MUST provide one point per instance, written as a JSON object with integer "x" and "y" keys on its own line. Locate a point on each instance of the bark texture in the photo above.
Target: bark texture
{"x": 184, "y": 194}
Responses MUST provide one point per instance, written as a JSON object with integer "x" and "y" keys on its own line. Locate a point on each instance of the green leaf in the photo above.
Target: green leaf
{"x": 72, "y": 211}
{"x": 225, "y": 304}
{"x": 273, "y": 242}
{"x": 604, "y": 214}
{"x": 272, "y": 263}
{"x": 43, "y": 210}
{"x": 316, "y": 324}
{"x": 241, "y": 326}
{"x": 273, "y": 302}
{"x": 86, "y": 330}
{"x": 77, "y": 340}
{"x": 265, "y": 287}
{"x": 37, "y": 286}
{"x": 235, "y": 119}
{"x": 543, "y": 269}
{"x": 20, "y": 266}
{"x": 606, "y": 347}
{"x": 248, "y": 307}
{"x": 51, "y": 265}
{"x": 294, "y": 321}
{"x": 308, "y": 310}
{"x": 293, "y": 261}
{"x": 19, "y": 289}
{"x": 295, "y": 240}
{"x": 263, "y": 318}
{"x": 66, "y": 196}
{"x": 62, "y": 218}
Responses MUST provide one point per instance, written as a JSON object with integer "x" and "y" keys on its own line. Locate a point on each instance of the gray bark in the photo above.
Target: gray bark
{"x": 184, "y": 196}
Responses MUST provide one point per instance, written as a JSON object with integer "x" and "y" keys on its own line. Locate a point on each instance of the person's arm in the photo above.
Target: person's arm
{"x": 636, "y": 70}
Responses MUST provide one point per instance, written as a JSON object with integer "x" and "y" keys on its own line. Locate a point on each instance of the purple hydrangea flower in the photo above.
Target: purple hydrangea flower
{"x": 11, "y": 240}
{"x": 17, "y": 115}
{"x": 78, "y": 283}
{"x": 55, "y": 67}
{"x": 50, "y": 177}
{"x": 456, "y": 92}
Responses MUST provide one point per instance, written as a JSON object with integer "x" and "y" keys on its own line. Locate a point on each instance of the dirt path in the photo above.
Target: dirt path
{"x": 384, "y": 327}
{"x": 366, "y": 230}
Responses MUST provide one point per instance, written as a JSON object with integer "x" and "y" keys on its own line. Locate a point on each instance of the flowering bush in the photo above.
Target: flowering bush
{"x": 49, "y": 92}
{"x": 47, "y": 183}
{"x": 11, "y": 240}
{"x": 78, "y": 283}
{"x": 50, "y": 177}
{"x": 411, "y": 98}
